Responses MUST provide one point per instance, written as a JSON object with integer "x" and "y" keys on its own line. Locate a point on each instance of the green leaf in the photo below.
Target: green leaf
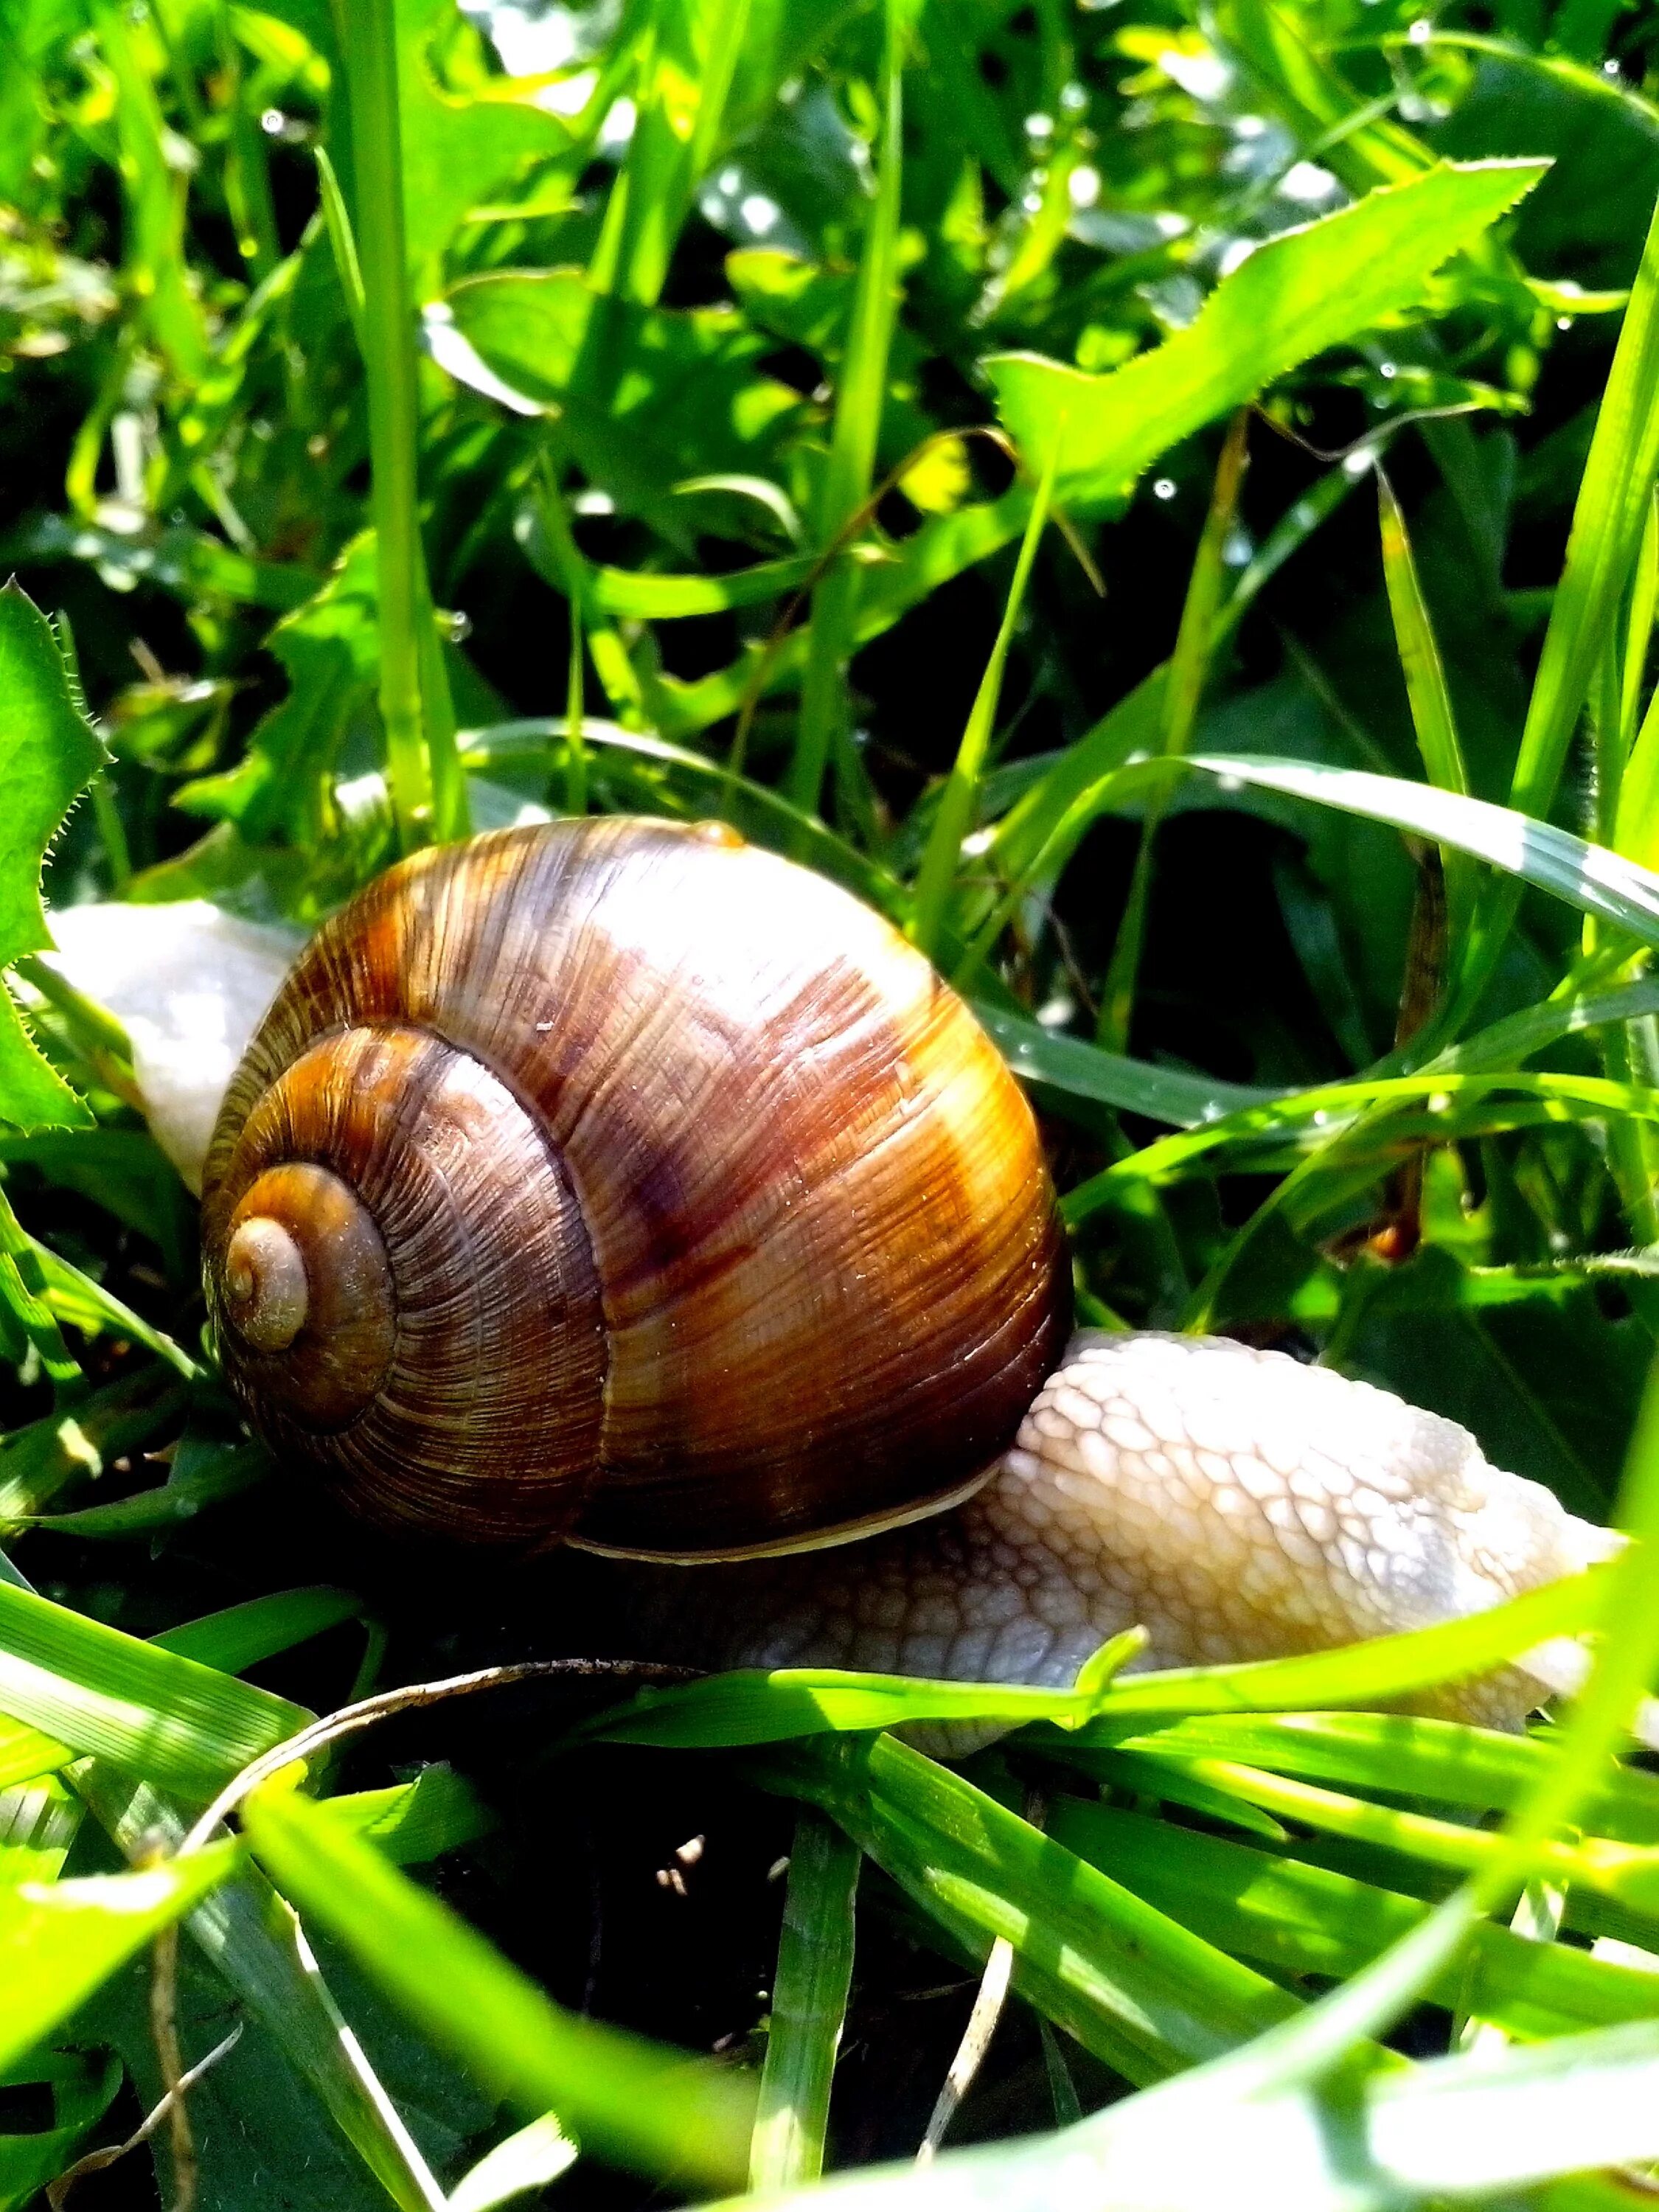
{"x": 82, "y": 2088}
{"x": 646, "y": 396}
{"x": 635, "y": 2103}
{"x": 415, "y": 1822}
{"x": 49, "y": 753}
{"x": 59, "y": 1941}
{"x": 457, "y": 149}
{"x": 183, "y": 1725}
{"x": 1291, "y": 299}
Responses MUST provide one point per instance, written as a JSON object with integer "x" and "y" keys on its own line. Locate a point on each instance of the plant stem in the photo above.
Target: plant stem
{"x": 862, "y": 388}
{"x": 427, "y": 795}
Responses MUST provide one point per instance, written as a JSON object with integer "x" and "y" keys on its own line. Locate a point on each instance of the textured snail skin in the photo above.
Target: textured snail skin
{"x": 687, "y": 1211}
{"x": 1237, "y": 1504}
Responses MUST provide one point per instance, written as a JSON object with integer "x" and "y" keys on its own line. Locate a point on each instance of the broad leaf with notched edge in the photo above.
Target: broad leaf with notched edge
{"x": 1291, "y": 299}
{"x": 49, "y": 753}
{"x": 647, "y": 396}
{"x": 457, "y": 150}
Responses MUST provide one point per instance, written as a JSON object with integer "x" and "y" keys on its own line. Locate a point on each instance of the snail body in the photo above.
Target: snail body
{"x": 620, "y": 1182}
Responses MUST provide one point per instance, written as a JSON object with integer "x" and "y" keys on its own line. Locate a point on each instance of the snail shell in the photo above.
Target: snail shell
{"x": 621, "y": 1181}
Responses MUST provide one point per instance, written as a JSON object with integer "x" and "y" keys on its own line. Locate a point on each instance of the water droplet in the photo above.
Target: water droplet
{"x": 1164, "y": 488}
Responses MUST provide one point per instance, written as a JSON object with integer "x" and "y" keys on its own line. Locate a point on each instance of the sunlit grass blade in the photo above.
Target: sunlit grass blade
{"x": 414, "y": 1821}
{"x": 1134, "y": 1086}
{"x": 1037, "y": 835}
{"x": 638, "y": 2105}
{"x": 1627, "y": 1872}
{"x": 241, "y": 1636}
{"x": 1336, "y": 1119}
{"x": 861, "y": 391}
{"x": 185, "y": 1725}
{"x": 1395, "y": 1753}
{"x": 530, "y": 2161}
{"x": 1425, "y": 688}
{"x": 689, "y": 53}
{"x": 58, "y": 1942}
{"x": 1614, "y": 496}
{"x": 1586, "y": 875}
{"x": 959, "y": 800}
{"x": 750, "y": 1707}
{"x": 809, "y": 1988}
{"x": 1131, "y": 1984}
{"x": 1290, "y": 1917}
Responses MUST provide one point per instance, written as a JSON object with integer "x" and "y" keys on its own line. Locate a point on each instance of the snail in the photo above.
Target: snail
{"x": 619, "y": 1183}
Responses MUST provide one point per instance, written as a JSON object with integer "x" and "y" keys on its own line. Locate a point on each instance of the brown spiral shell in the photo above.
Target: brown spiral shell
{"x": 621, "y": 1181}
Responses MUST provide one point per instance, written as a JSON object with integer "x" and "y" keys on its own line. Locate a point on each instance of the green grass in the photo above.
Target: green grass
{"x": 738, "y": 414}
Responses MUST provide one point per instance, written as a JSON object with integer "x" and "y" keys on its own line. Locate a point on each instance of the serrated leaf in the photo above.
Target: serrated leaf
{"x": 1303, "y": 291}
{"x": 49, "y": 753}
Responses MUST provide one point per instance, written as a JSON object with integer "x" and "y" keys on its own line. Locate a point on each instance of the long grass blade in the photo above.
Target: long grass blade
{"x": 959, "y": 800}
{"x": 859, "y": 404}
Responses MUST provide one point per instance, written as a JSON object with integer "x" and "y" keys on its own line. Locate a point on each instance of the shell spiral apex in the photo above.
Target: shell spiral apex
{"x": 621, "y": 1181}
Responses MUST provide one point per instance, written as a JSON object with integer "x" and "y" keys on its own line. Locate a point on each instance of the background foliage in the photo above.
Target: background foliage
{"x": 1089, "y": 478}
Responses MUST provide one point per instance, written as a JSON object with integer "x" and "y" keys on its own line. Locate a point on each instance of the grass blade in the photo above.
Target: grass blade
{"x": 809, "y": 2006}
{"x": 859, "y": 402}
{"x": 959, "y": 798}
{"x": 1190, "y": 665}
{"x": 1425, "y": 688}
{"x": 187, "y": 1726}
